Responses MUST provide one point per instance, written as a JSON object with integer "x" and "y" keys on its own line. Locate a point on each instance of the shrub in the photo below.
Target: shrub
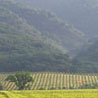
{"x": 71, "y": 87}
{"x": 1, "y": 87}
{"x": 41, "y": 89}
{"x": 87, "y": 86}
{"x": 52, "y": 88}
{"x": 64, "y": 88}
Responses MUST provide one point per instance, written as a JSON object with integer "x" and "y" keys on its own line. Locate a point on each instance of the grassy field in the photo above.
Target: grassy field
{"x": 48, "y": 81}
{"x": 50, "y": 94}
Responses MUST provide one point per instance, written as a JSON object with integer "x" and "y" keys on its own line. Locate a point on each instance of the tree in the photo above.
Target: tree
{"x": 21, "y": 79}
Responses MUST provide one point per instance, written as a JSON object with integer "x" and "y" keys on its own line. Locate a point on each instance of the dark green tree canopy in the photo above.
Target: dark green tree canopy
{"x": 21, "y": 79}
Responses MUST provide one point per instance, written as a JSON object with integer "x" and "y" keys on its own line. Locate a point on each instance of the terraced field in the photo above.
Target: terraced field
{"x": 48, "y": 81}
{"x": 50, "y": 94}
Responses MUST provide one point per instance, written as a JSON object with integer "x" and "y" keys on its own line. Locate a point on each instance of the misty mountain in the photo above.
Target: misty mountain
{"x": 87, "y": 58}
{"x": 22, "y": 47}
{"x": 82, "y": 14}
{"x": 40, "y": 35}
{"x": 90, "y": 52}
{"x": 51, "y": 27}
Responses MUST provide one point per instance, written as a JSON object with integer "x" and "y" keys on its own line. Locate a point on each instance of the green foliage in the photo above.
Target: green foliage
{"x": 52, "y": 88}
{"x": 37, "y": 40}
{"x": 21, "y": 79}
{"x": 22, "y": 47}
{"x": 71, "y": 87}
{"x": 58, "y": 81}
{"x": 41, "y": 89}
{"x": 50, "y": 26}
{"x": 64, "y": 88}
{"x": 1, "y": 87}
{"x": 50, "y": 94}
{"x": 89, "y": 86}
{"x": 87, "y": 59}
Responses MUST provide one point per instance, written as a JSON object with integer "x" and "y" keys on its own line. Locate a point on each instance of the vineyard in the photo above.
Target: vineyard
{"x": 48, "y": 81}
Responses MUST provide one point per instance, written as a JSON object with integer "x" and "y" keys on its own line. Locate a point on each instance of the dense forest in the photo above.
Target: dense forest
{"x": 23, "y": 47}
{"x": 82, "y": 14}
{"x": 33, "y": 38}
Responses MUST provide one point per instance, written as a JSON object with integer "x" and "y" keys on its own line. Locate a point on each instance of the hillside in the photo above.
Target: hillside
{"x": 90, "y": 52}
{"x": 52, "y": 28}
{"x": 22, "y": 47}
{"x": 88, "y": 57}
{"x": 34, "y": 39}
{"x": 82, "y": 14}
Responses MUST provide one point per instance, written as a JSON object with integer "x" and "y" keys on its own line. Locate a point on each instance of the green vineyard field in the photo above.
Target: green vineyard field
{"x": 48, "y": 81}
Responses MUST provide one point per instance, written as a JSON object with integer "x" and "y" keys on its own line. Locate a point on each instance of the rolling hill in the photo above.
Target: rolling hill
{"x": 51, "y": 27}
{"x": 23, "y": 47}
{"x": 32, "y": 39}
{"x": 90, "y": 52}
{"x": 88, "y": 57}
{"x": 82, "y": 14}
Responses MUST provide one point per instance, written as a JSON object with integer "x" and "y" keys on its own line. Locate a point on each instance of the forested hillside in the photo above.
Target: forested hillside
{"x": 82, "y": 14}
{"x": 22, "y": 47}
{"x": 35, "y": 39}
{"x": 51, "y": 27}
{"x": 88, "y": 57}
{"x": 90, "y": 53}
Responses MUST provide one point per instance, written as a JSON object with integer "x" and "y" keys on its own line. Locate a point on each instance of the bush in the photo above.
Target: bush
{"x": 64, "y": 88}
{"x": 41, "y": 89}
{"x": 1, "y": 87}
{"x": 71, "y": 87}
{"x": 89, "y": 86}
{"x": 95, "y": 86}
{"x": 52, "y": 88}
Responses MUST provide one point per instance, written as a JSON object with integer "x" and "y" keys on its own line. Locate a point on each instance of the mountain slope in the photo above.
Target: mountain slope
{"x": 50, "y": 26}
{"x": 37, "y": 40}
{"x": 87, "y": 60}
{"x": 90, "y": 52}
{"x": 80, "y": 13}
{"x": 23, "y": 49}
{"x": 83, "y": 14}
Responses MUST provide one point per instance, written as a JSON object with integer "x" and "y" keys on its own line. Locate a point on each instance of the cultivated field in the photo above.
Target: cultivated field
{"x": 48, "y": 81}
{"x": 50, "y": 94}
